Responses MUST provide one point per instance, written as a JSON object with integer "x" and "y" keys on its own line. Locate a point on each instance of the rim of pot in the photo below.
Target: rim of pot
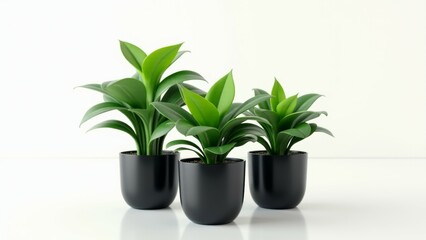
{"x": 229, "y": 161}
{"x": 264, "y": 152}
{"x": 164, "y": 153}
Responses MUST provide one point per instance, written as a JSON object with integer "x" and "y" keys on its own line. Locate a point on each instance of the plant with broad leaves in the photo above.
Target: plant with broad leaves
{"x": 213, "y": 120}
{"x": 286, "y": 119}
{"x": 133, "y": 96}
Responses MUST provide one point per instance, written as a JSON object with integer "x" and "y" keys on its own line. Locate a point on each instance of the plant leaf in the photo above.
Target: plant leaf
{"x": 162, "y": 130}
{"x": 286, "y": 106}
{"x": 231, "y": 124}
{"x": 179, "y": 54}
{"x": 172, "y": 95}
{"x": 175, "y": 78}
{"x": 296, "y": 118}
{"x": 243, "y": 107}
{"x": 183, "y": 142}
{"x": 203, "y": 111}
{"x": 271, "y": 116}
{"x": 93, "y": 86}
{"x": 156, "y": 63}
{"x": 219, "y": 150}
{"x": 128, "y": 91}
{"x": 301, "y": 131}
{"x": 133, "y": 54}
{"x": 118, "y": 125}
{"x": 324, "y": 130}
{"x": 222, "y": 93}
{"x": 265, "y": 144}
{"x": 173, "y": 112}
{"x": 265, "y": 104}
{"x": 99, "y": 109}
{"x": 199, "y": 154}
{"x": 305, "y": 102}
{"x": 144, "y": 114}
{"x": 277, "y": 95}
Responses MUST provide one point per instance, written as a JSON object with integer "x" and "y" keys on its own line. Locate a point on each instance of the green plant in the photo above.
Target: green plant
{"x": 213, "y": 120}
{"x": 287, "y": 119}
{"x": 133, "y": 96}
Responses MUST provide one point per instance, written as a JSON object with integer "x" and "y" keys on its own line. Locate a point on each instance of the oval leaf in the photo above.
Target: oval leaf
{"x": 305, "y": 102}
{"x": 129, "y": 91}
{"x": 203, "y": 111}
{"x": 176, "y": 78}
{"x": 99, "y": 109}
{"x": 156, "y": 63}
{"x": 277, "y": 95}
{"x": 173, "y": 112}
{"x": 219, "y": 150}
{"x": 222, "y": 93}
{"x": 118, "y": 125}
{"x": 133, "y": 54}
{"x": 287, "y": 106}
{"x": 162, "y": 130}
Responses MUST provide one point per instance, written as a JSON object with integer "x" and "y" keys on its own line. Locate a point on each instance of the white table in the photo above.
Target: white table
{"x": 81, "y": 199}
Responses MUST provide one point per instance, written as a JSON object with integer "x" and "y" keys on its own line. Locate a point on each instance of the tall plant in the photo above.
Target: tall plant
{"x": 133, "y": 96}
{"x": 287, "y": 119}
{"x": 214, "y": 120}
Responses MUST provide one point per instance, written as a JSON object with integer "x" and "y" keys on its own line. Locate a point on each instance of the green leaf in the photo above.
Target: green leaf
{"x": 144, "y": 114}
{"x": 183, "y": 142}
{"x": 227, "y": 127}
{"x": 305, "y": 102}
{"x": 179, "y": 54}
{"x": 156, "y": 63}
{"x": 240, "y": 108}
{"x": 118, "y": 125}
{"x": 128, "y": 91}
{"x": 270, "y": 116}
{"x": 199, "y": 154}
{"x": 265, "y": 144}
{"x": 301, "y": 131}
{"x": 277, "y": 95}
{"x": 176, "y": 78}
{"x": 133, "y": 54}
{"x": 324, "y": 130}
{"x": 173, "y": 112}
{"x": 99, "y": 109}
{"x": 203, "y": 111}
{"x": 286, "y": 106}
{"x": 172, "y": 95}
{"x": 296, "y": 118}
{"x": 219, "y": 150}
{"x": 222, "y": 93}
{"x": 93, "y": 86}
{"x": 265, "y": 104}
{"x": 162, "y": 130}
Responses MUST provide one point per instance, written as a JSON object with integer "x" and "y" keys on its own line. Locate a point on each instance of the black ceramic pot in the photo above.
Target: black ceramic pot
{"x": 277, "y": 182}
{"x": 211, "y": 194}
{"x": 149, "y": 182}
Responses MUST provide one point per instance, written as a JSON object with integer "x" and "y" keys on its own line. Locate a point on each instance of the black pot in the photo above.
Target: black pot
{"x": 149, "y": 182}
{"x": 277, "y": 182}
{"x": 211, "y": 194}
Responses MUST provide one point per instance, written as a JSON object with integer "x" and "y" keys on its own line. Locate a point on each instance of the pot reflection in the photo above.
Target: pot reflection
{"x": 212, "y": 232}
{"x": 273, "y": 224}
{"x": 149, "y": 224}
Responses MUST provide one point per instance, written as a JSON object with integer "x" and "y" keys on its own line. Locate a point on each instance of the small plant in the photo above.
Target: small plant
{"x": 133, "y": 96}
{"x": 213, "y": 120}
{"x": 286, "y": 119}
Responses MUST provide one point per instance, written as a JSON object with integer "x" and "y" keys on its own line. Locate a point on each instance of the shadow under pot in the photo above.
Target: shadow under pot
{"x": 211, "y": 194}
{"x": 149, "y": 182}
{"x": 277, "y": 182}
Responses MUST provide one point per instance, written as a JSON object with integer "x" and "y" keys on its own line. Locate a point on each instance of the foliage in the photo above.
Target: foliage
{"x": 213, "y": 120}
{"x": 287, "y": 119}
{"x": 133, "y": 96}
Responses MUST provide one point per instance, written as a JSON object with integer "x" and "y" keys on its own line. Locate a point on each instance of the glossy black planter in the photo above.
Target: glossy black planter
{"x": 149, "y": 182}
{"x": 277, "y": 182}
{"x": 211, "y": 194}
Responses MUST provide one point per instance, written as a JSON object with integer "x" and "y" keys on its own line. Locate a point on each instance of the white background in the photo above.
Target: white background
{"x": 367, "y": 57}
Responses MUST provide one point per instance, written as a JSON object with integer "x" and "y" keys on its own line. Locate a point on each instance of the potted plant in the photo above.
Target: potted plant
{"x": 212, "y": 185}
{"x": 277, "y": 175}
{"x": 148, "y": 174}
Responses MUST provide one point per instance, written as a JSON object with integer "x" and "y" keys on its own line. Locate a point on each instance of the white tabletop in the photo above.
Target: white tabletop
{"x": 81, "y": 199}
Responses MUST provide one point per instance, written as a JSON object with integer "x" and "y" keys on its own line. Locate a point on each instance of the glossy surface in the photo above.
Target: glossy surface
{"x": 211, "y": 194}
{"x": 277, "y": 182}
{"x": 149, "y": 182}
{"x": 351, "y": 199}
